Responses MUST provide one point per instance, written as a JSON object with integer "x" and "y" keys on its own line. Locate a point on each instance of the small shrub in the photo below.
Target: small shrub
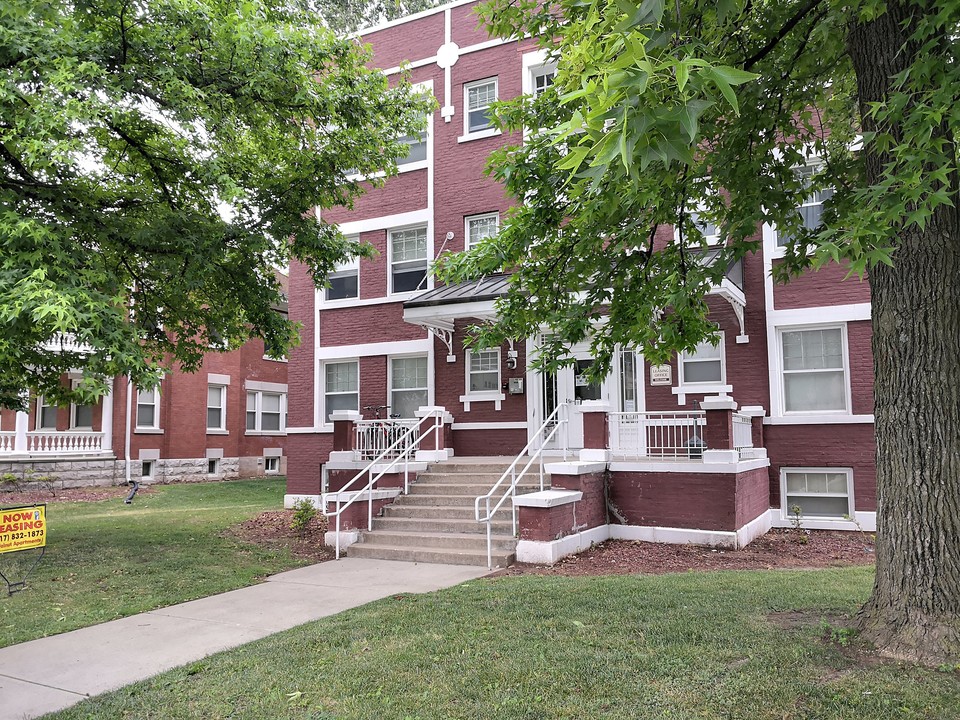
{"x": 796, "y": 520}
{"x": 304, "y": 513}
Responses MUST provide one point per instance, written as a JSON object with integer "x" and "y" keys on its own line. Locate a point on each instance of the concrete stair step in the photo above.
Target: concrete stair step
{"x": 449, "y": 541}
{"x": 429, "y": 555}
{"x": 473, "y": 489}
{"x": 458, "y": 512}
{"x": 487, "y": 479}
{"x": 452, "y": 466}
{"x": 441, "y": 525}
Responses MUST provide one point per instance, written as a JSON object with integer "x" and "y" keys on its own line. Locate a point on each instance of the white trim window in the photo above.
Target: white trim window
{"x": 408, "y": 260}
{"x": 46, "y": 414}
{"x": 825, "y": 493}
{"x": 811, "y": 209}
{"x": 408, "y": 385}
{"x": 709, "y": 229}
{"x": 704, "y": 366}
{"x": 483, "y": 371}
{"x": 217, "y": 407}
{"x": 416, "y": 151}
{"x": 478, "y": 96}
{"x": 81, "y": 416}
{"x": 478, "y": 228}
{"x": 266, "y": 412}
{"x": 148, "y": 409}
{"x": 814, "y": 374}
{"x": 542, "y": 77}
{"x": 271, "y": 465}
{"x": 344, "y": 282}
{"x": 341, "y": 387}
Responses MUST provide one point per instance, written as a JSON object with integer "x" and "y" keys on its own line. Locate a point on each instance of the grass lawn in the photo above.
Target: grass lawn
{"x": 721, "y": 645}
{"x": 107, "y": 560}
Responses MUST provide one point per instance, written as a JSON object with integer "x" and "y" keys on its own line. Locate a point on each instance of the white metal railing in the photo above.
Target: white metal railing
{"x": 550, "y": 429}
{"x": 373, "y": 437}
{"x": 389, "y": 458}
{"x": 66, "y": 342}
{"x": 742, "y": 431}
{"x": 7, "y": 440}
{"x": 71, "y": 442}
{"x": 658, "y": 434}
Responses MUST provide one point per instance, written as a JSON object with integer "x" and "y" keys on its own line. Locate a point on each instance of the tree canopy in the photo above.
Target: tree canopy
{"x": 158, "y": 160}
{"x": 674, "y": 115}
{"x": 345, "y": 16}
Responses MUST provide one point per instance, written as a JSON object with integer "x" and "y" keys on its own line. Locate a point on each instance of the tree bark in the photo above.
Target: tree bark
{"x": 914, "y": 611}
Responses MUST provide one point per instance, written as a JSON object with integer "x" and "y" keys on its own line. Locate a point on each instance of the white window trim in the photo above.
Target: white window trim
{"x": 683, "y": 388}
{"x": 403, "y": 167}
{"x": 73, "y": 411}
{"x": 469, "y": 135}
{"x": 153, "y": 468}
{"x": 480, "y": 216}
{"x": 778, "y": 251}
{"x": 430, "y": 379}
{"x": 851, "y": 504}
{"x": 429, "y": 282}
{"x": 324, "y": 423}
{"x": 40, "y": 405}
{"x": 493, "y": 396}
{"x": 781, "y": 407}
{"x": 217, "y": 470}
{"x": 712, "y": 241}
{"x": 683, "y": 357}
{"x": 156, "y": 412}
{"x": 222, "y": 430}
{"x": 266, "y": 460}
{"x": 354, "y": 264}
{"x": 258, "y": 411}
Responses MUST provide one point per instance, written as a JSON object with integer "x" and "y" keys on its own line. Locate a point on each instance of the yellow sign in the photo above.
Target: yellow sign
{"x": 22, "y": 528}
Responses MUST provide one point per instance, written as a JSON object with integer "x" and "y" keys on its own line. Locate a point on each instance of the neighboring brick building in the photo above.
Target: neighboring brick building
{"x": 227, "y": 420}
{"x": 798, "y": 355}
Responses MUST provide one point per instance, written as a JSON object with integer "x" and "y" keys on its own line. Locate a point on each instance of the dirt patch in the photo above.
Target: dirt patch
{"x": 777, "y": 549}
{"x": 273, "y": 528}
{"x": 84, "y": 494}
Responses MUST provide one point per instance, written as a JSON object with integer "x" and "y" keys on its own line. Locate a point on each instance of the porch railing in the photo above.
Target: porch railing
{"x": 658, "y": 434}
{"x": 52, "y": 442}
{"x": 372, "y": 438}
{"x": 742, "y": 431}
{"x": 506, "y": 486}
{"x": 390, "y": 459}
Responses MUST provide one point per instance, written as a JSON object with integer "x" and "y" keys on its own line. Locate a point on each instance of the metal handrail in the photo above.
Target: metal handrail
{"x": 554, "y": 420}
{"x": 437, "y": 416}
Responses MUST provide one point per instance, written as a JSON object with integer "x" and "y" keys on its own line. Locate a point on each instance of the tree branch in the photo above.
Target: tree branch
{"x": 784, "y": 31}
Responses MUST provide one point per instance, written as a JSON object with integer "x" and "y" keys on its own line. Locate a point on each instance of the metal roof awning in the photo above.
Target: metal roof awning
{"x": 436, "y": 310}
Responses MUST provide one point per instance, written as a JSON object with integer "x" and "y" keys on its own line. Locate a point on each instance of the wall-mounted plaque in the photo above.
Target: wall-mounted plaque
{"x": 661, "y": 375}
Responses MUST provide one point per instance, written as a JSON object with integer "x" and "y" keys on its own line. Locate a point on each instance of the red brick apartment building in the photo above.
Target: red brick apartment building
{"x": 774, "y": 425}
{"x": 227, "y": 420}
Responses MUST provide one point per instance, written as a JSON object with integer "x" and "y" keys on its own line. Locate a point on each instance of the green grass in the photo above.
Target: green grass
{"x": 107, "y": 560}
{"x": 695, "y": 645}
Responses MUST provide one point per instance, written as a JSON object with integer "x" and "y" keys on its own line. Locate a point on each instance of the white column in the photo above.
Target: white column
{"x": 106, "y": 418}
{"x": 20, "y": 440}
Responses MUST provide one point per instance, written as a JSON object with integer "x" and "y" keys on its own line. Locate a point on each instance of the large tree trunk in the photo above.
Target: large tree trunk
{"x": 914, "y": 612}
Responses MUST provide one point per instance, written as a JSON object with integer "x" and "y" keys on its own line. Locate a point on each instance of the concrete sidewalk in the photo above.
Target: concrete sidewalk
{"x": 53, "y": 673}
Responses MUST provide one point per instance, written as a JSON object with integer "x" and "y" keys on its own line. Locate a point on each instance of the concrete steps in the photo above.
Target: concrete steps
{"x": 435, "y": 522}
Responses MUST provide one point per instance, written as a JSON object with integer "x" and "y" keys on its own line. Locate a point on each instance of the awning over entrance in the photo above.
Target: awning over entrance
{"x": 438, "y": 309}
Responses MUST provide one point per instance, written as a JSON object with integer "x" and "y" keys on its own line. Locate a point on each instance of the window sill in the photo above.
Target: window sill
{"x": 148, "y": 431}
{"x": 335, "y": 303}
{"x": 271, "y": 433}
{"x": 492, "y": 396}
{"x": 681, "y": 391}
{"x": 479, "y": 135}
{"x": 404, "y": 296}
{"x": 273, "y": 359}
{"x": 217, "y": 432}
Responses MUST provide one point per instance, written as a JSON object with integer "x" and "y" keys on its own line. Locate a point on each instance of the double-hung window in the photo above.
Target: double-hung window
{"x": 344, "y": 282}
{"x": 480, "y": 227}
{"x": 484, "y": 371}
{"x": 46, "y": 414}
{"x": 814, "y": 370}
{"x": 341, "y": 387}
{"x": 216, "y": 407}
{"x": 542, "y": 77}
{"x": 81, "y": 416}
{"x": 811, "y": 209}
{"x": 416, "y": 149}
{"x": 148, "y": 409}
{"x": 704, "y": 365}
{"x": 408, "y": 385}
{"x": 265, "y": 412}
{"x": 479, "y": 96}
{"x": 816, "y": 492}
{"x": 408, "y": 260}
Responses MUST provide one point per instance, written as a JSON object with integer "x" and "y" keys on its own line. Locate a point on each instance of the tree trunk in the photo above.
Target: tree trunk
{"x": 914, "y": 612}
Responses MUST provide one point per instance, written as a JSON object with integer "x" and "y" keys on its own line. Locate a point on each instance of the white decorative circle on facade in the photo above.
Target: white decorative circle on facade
{"x": 447, "y": 55}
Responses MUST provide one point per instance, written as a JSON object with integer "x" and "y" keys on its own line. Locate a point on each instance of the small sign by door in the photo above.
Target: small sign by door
{"x": 661, "y": 375}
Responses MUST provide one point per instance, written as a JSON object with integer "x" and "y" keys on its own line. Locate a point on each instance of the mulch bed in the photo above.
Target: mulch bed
{"x": 84, "y": 494}
{"x": 778, "y": 549}
{"x": 274, "y": 528}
